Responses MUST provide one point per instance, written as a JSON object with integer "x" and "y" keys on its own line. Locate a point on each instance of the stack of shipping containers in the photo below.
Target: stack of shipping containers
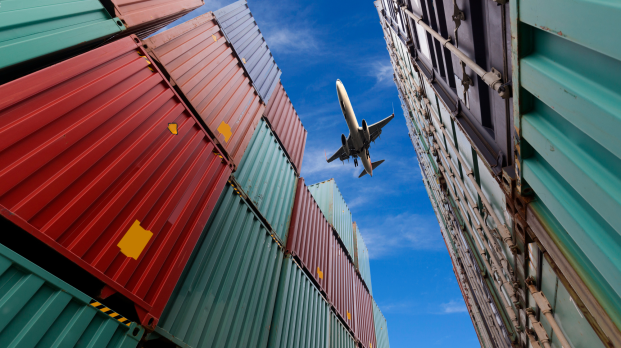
{"x": 150, "y": 188}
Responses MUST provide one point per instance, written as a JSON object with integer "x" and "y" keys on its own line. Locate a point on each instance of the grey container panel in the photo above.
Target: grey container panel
{"x": 227, "y": 292}
{"x": 268, "y": 178}
{"x": 381, "y": 328}
{"x": 40, "y": 310}
{"x": 339, "y": 336}
{"x": 242, "y": 31}
{"x": 363, "y": 260}
{"x": 301, "y": 317}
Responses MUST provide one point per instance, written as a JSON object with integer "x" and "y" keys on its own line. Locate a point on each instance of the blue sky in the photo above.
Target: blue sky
{"x": 314, "y": 43}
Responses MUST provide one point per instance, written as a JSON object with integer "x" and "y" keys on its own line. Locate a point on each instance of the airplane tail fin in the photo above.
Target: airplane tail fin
{"x": 373, "y": 165}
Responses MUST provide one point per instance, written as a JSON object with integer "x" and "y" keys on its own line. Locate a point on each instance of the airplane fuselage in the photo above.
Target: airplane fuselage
{"x": 354, "y": 130}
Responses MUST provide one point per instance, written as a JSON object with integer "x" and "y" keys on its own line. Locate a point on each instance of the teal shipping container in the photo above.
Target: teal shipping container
{"x": 40, "y": 310}
{"x": 32, "y": 29}
{"x": 227, "y": 292}
{"x": 381, "y": 328}
{"x": 302, "y": 316}
{"x": 268, "y": 178}
{"x": 333, "y": 206}
{"x": 362, "y": 259}
{"x": 339, "y": 335}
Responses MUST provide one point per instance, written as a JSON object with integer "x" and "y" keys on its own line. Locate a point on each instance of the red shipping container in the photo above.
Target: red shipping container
{"x": 341, "y": 284}
{"x": 365, "y": 326}
{"x": 200, "y": 61}
{"x": 102, "y": 161}
{"x": 287, "y": 125}
{"x": 310, "y": 236}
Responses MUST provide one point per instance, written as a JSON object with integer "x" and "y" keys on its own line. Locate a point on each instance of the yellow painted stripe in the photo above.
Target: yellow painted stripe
{"x": 105, "y": 309}
{"x": 122, "y": 320}
{"x": 114, "y": 315}
{"x": 95, "y": 304}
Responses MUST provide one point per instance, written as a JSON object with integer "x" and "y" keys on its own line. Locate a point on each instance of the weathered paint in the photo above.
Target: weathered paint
{"x": 242, "y": 31}
{"x": 310, "y": 236}
{"x": 40, "y": 310}
{"x": 381, "y": 327}
{"x": 339, "y": 335}
{"x": 145, "y": 17}
{"x": 34, "y": 28}
{"x": 301, "y": 317}
{"x": 365, "y": 329}
{"x": 335, "y": 209}
{"x": 86, "y": 152}
{"x": 200, "y": 62}
{"x": 287, "y": 125}
{"x": 341, "y": 289}
{"x": 268, "y": 178}
{"x": 362, "y": 259}
{"x": 227, "y": 293}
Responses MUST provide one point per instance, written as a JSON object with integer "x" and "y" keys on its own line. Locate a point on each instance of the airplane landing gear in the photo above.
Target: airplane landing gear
{"x": 355, "y": 162}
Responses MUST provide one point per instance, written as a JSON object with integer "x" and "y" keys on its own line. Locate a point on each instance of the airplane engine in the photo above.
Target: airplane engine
{"x": 344, "y": 141}
{"x": 365, "y": 131}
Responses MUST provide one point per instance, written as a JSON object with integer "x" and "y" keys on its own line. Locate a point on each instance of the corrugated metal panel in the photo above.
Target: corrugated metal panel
{"x": 287, "y": 125}
{"x": 227, "y": 293}
{"x": 566, "y": 101}
{"x": 267, "y": 177}
{"x": 335, "y": 209}
{"x": 34, "y": 28}
{"x": 381, "y": 327}
{"x": 145, "y": 17}
{"x": 362, "y": 259}
{"x": 339, "y": 335}
{"x": 40, "y": 310}
{"x": 365, "y": 330}
{"x": 201, "y": 63}
{"x": 243, "y": 32}
{"x": 310, "y": 236}
{"x": 341, "y": 284}
{"x": 87, "y": 162}
{"x": 301, "y": 318}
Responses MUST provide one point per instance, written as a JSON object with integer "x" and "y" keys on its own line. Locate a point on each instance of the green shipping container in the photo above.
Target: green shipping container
{"x": 362, "y": 259}
{"x": 227, "y": 292}
{"x": 333, "y": 206}
{"x": 339, "y": 336}
{"x": 301, "y": 318}
{"x": 31, "y": 29}
{"x": 268, "y": 178}
{"x": 40, "y": 310}
{"x": 381, "y": 328}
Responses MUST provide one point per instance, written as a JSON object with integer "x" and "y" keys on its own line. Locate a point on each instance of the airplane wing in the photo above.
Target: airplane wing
{"x": 376, "y": 129}
{"x": 340, "y": 153}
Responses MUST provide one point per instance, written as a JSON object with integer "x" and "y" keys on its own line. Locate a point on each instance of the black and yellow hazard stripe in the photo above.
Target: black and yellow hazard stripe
{"x": 121, "y": 319}
{"x": 235, "y": 188}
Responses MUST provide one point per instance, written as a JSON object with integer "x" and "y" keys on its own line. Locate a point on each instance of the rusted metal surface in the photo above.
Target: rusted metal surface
{"x": 341, "y": 284}
{"x": 90, "y": 165}
{"x": 310, "y": 236}
{"x": 285, "y": 121}
{"x": 145, "y": 17}
{"x": 200, "y": 62}
{"x": 365, "y": 328}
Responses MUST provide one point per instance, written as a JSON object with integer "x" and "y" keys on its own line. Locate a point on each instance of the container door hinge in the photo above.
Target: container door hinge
{"x": 458, "y": 16}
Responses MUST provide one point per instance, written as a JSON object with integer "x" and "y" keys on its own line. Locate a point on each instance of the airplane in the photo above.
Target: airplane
{"x": 360, "y": 138}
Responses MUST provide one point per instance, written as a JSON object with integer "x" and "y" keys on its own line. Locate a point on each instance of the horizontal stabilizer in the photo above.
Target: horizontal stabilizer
{"x": 373, "y": 165}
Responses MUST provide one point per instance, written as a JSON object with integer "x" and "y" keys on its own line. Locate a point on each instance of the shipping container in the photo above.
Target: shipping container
{"x": 361, "y": 259}
{"x": 381, "y": 327}
{"x": 40, "y": 310}
{"x": 267, "y": 177}
{"x": 145, "y": 17}
{"x": 287, "y": 125}
{"x": 365, "y": 329}
{"x": 89, "y": 148}
{"x": 200, "y": 63}
{"x": 310, "y": 236}
{"x": 335, "y": 209}
{"x": 227, "y": 293}
{"x": 341, "y": 284}
{"x": 302, "y": 316}
{"x": 34, "y": 33}
{"x": 339, "y": 335}
{"x": 242, "y": 31}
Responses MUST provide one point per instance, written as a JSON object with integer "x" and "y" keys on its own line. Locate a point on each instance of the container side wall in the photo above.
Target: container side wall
{"x": 200, "y": 61}
{"x": 363, "y": 259}
{"x": 268, "y": 178}
{"x": 339, "y": 335}
{"x": 40, "y": 310}
{"x": 88, "y": 158}
{"x": 227, "y": 293}
{"x": 365, "y": 329}
{"x": 287, "y": 125}
{"x": 381, "y": 327}
{"x": 341, "y": 284}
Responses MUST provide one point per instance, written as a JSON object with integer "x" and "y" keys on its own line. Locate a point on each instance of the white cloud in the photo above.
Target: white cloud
{"x": 382, "y": 71}
{"x": 453, "y": 307}
{"x": 290, "y": 40}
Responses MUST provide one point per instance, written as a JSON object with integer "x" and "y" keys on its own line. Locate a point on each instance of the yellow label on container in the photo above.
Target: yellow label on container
{"x": 225, "y": 130}
{"x": 320, "y": 273}
{"x": 172, "y": 127}
{"x": 348, "y": 316}
{"x": 135, "y": 240}
{"x": 215, "y": 39}
{"x": 244, "y": 60}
